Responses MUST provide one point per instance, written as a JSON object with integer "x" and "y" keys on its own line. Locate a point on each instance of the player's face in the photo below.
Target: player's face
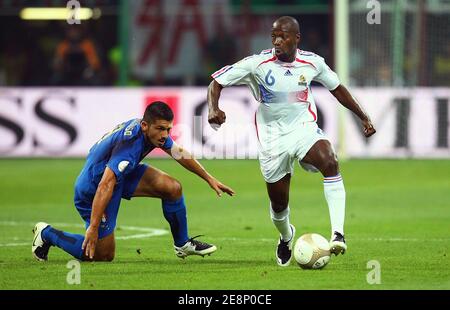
{"x": 285, "y": 41}
{"x": 157, "y": 132}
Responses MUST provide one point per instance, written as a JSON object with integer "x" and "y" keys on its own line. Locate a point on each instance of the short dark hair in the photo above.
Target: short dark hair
{"x": 158, "y": 110}
{"x": 291, "y": 22}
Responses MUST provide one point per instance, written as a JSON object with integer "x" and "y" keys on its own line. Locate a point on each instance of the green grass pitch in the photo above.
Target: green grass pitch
{"x": 398, "y": 213}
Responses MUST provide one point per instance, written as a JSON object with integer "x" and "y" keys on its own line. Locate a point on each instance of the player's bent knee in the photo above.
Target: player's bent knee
{"x": 109, "y": 257}
{"x": 105, "y": 249}
{"x": 174, "y": 191}
{"x": 105, "y": 257}
{"x": 331, "y": 168}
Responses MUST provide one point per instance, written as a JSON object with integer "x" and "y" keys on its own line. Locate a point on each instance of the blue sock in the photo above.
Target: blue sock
{"x": 175, "y": 214}
{"x": 70, "y": 243}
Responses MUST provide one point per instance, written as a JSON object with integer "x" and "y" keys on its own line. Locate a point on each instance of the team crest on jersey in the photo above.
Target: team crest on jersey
{"x": 123, "y": 165}
{"x": 104, "y": 221}
{"x": 302, "y": 81}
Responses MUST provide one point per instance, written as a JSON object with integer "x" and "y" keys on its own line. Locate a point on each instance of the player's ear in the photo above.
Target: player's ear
{"x": 144, "y": 125}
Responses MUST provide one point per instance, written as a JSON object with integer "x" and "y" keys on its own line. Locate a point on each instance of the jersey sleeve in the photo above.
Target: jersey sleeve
{"x": 124, "y": 159}
{"x": 236, "y": 74}
{"x": 326, "y": 76}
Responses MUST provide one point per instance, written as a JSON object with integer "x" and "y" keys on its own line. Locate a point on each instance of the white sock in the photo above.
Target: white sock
{"x": 281, "y": 222}
{"x": 335, "y": 195}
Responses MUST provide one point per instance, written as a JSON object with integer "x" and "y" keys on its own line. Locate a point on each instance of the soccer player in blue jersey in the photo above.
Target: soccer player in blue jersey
{"x": 112, "y": 172}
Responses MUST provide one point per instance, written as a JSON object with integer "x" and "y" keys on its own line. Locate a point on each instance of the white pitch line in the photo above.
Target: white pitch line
{"x": 151, "y": 232}
{"x": 144, "y": 229}
{"x": 148, "y": 232}
{"x": 140, "y": 236}
{"x": 14, "y": 244}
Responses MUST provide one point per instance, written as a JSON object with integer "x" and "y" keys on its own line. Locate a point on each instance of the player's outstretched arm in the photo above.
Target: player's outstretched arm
{"x": 186, "y": 159}
{"x": 101, "y": 199}
{"x": 216, "y": 117}
{"x": 346, "y": 99}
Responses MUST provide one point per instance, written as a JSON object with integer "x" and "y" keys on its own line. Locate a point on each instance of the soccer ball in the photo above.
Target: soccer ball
{"x": 312, "y": 251}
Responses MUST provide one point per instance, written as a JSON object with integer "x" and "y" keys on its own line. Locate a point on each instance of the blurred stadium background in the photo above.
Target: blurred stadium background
{"x": 64, "y": 84}
{"x": 123, "y": 52}
{"x": 132, "y": 43}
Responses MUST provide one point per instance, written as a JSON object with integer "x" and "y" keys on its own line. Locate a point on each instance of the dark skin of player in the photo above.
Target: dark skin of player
{"x": 154, "y": 183}
{"x": 285, "y": 39}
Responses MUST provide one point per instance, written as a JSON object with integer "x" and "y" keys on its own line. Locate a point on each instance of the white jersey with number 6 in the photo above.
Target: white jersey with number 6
{"x": 286, "y": 118}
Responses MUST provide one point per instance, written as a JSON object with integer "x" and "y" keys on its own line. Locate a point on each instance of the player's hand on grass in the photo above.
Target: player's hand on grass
{"x": 368, "y": 128}
{"x": 216, "y": 118}
{"x": 90, "y": 242}
{"x": 220, "y": 188}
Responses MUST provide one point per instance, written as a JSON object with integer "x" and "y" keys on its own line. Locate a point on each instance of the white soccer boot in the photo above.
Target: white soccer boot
{"x": 195, "y": 247}
{"x": 284, "y": 250}
{"x": 39, "y": 247}
{"x": 337, "y": 244}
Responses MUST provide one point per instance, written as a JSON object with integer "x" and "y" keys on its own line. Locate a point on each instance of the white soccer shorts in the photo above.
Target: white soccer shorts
{"x": 277, "y": 155}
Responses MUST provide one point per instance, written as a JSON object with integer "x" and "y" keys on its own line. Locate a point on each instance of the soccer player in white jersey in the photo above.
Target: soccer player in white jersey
{"x": 285, "y": 121}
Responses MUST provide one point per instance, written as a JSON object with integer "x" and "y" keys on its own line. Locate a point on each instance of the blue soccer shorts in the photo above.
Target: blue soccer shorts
{"x": 124, "y": 189}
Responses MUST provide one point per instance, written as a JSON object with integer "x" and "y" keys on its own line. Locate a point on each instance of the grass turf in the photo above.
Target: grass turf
{"x": 398, "y": 213}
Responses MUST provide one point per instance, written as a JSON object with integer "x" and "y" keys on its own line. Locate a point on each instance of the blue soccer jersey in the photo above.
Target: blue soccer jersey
{"x": 121, "y": 150}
